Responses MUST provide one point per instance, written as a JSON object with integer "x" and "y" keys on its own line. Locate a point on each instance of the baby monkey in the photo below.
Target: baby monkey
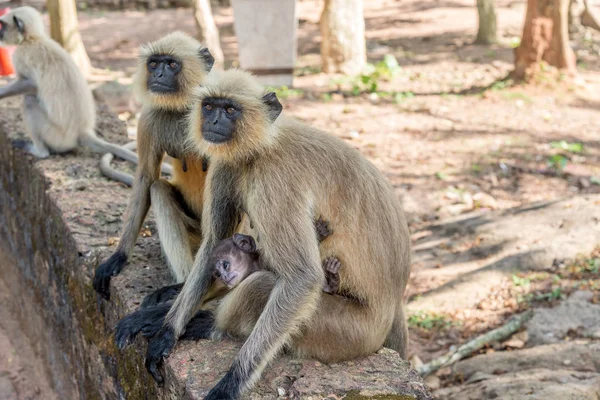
{"x": 235, "y": 258}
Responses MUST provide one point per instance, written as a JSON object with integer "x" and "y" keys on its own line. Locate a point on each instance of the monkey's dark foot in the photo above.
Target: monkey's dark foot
{"x": 332, "y": 266}
{"x": 323, "y": 229}
{"x": 228, "y": 388}
{"x": 106, "y": 270}
{"x": 159, "y": 347}
{"x": 29, "y": 147}
{"x": 149, "y": 321}
{"x": 162, "y": 295}
{"x": 23, "y": 144}
{"x": 200, "y": 327}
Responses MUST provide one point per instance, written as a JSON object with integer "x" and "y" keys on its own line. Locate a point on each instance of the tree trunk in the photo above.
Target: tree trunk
{"x": 343, "y": 47}
{"x": 487, "y": 32}
{"x": 64, "y": 28}
{"x": 208, "y": 32}
{"x": 545, "y": 38}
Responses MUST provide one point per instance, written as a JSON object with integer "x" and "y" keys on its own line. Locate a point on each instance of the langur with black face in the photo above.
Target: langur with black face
{"x": 58, "y": 107}
{"x": 281, "y": 173}
{"x": 170, "y": 69}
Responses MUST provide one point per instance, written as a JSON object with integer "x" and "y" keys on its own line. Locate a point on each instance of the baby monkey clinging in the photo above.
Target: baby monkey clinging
{"x": 237, "y": 257}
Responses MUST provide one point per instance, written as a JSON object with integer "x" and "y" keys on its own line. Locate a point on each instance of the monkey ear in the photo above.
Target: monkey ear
{"x": 245, "y": 243}
{"x": 19, "y": 24}
{"x": 275, "y": 107}
{"x": 208, "y": 58}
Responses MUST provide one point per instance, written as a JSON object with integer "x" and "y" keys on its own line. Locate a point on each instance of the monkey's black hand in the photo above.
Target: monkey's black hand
{"x": 146, "y": 320}
{"x": 159, "y": 346}
{"x": 228, "y": 388}
{"x": 162, "y": 295}
{"x": 106, "y": 270}
{"x": 323, "y": 229}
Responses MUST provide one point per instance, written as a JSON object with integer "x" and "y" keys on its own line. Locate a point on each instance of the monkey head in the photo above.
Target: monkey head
{"x": 234, "y": 259}
{"x": 232, "y": 118}
{"x": 169, "y": 69}
{"x": 21, "y": 24}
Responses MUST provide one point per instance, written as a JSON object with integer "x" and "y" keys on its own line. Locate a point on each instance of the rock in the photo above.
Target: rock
{"x": 551, "y": 325}
{"x": 416, "y": 362}
{"x": 557, "y": 371}
{"x": 584, "y": 356}
{"x": 384, "y": 373}
{"x": 584, "y": 182}
{"x": 478, "y": 377}
{"x": 539, "y": 384}
{"x": 514, "y": 343}
{"x": 518, "y": 340}
{"x": 433, "y": 382}
{"x": 80, "y": 184}
{"x": 484, "y": 200}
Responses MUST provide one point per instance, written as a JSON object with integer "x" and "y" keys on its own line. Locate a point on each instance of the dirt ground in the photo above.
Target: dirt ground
{"x": 457, "y": 139}
{"x": 496, "y": 141}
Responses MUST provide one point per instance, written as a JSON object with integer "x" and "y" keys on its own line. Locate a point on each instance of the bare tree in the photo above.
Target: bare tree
{"x": 487, "y": 32}
{"x": 343, "y": 47}
{"x": 64, "y": 28}
{"x": 545, "y": 38}
{"x": 207, "y": 30}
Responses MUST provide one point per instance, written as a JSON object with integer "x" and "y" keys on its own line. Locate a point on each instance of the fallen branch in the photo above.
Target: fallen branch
{"x": 498, "y": 334}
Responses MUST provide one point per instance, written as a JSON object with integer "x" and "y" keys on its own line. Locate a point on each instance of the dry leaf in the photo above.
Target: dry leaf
{"x": 146, "y": 232}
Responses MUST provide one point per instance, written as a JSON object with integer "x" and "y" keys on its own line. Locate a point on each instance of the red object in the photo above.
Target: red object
{"x": 6, "y": 67}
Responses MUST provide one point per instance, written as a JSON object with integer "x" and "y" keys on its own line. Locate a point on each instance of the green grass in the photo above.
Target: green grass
{"x": 570, "y": 147}
{"x": 283, "y": 92}
{"x": 428, "y": 320}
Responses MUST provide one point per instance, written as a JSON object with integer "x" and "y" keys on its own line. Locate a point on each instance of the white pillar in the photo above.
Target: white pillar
{"x": 266, "y": 34}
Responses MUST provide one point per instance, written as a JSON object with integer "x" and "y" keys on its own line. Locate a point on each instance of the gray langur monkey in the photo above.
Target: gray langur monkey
{"x": 58, "y": 106}
{"x": 169, "y": 71}
{"x": 281, "y": 173}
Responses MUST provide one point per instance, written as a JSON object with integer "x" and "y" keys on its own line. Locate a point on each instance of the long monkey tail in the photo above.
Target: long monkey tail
{"x": 125, "y": 152}
{"x": 111, "y": 173}
{"x": 98, "y": 145}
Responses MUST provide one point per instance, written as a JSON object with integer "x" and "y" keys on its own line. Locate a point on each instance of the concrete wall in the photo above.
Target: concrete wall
{"x": 51, "y": 294}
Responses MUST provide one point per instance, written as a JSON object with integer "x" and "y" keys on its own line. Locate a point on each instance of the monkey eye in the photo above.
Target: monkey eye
{"x": 208, "y": 107}
{"x": 225, "y": 265}
{"x": 173, "y": 65}
{"x": 152, "y": 64}
{"x": 230, "y": 110}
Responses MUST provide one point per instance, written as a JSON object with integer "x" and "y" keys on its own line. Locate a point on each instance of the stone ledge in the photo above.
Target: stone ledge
{"x": 57, "y": 218}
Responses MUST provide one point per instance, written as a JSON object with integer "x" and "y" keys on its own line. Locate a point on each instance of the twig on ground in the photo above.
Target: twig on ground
{"x": 498, "y": 334}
